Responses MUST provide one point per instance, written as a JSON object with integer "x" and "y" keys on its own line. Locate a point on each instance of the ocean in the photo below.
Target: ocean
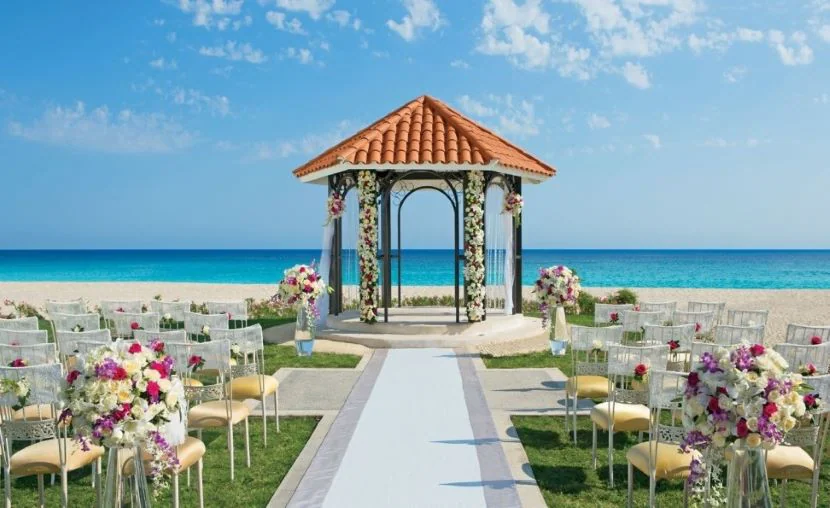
{"x": 748, "y": 269}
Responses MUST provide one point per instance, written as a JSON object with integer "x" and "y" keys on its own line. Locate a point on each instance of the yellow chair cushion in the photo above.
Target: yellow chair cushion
{"x": 671, "y": 461}
{"x": 214, "y": 414}
{"x": 43, "y": 458}
{"x": 192, "y": 382}
{"x": 248, "y": 387}
{"x": 790, "y": 463}
{"x": 188, "y": 454}
{"x": 588, "y": 387}
{"x": 35, "y": 412}
{"x": 627, "y": 417}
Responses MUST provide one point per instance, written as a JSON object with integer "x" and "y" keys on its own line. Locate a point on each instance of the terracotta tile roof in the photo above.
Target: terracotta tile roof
{"x": 426, "y": 131}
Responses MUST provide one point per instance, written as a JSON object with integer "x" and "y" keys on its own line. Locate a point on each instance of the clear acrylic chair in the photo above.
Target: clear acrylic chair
{"x": 206, "y": 388}
{"x": 68, "y": 307}
{"x": 172, "y": 313}
{"x": 125, "y": 323}
{"x": 747, "y": 317}
{"x": 75, "y": 322}
{"x": 704, "y": 321}
{"x": 68, "y": 343}
{"x": 634, "y": 321}
{"x": 603, "y": 313}
{"x": 25, "y": 323}
{"x": 31, "y": 354}
{"x": 53, "y": 451}
{"x": 679, "y": 339}
{"x": 667, "y": 308}
{"x": 661, "y": 457}
{"x": 716, "y": 307}
{"x": 698, "y": 348}
{"x": 146, "y": 336}
{"x": 194, "y": 324}
{"x": 111, "y": 307}
{"x": 589, "y": 350}
{"x": 626, "y": 409}
{"x": 237, "y": 311}
{"x": 23, "y": 337}
{"x": 729, "y": 335}
{"x": 805, "y": 334}
{"x": 800, "y": 357}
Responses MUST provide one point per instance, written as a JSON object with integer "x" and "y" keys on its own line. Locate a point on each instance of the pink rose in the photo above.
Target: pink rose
{"x": 134, "y": 325}
{"x": 742, "y": 428}
{"x": 815, "y": 340}
{"x": 135, "y": 347}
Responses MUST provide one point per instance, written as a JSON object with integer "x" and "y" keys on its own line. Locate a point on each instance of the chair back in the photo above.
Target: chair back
{"x": 716, "y": 307}
{"x": 667, "y": 308}
{"x": 603, "y": 311}
{"x": 737, "y": 317}
{"x": 241, "y": 350}
{"x": 215, "y": 358}
{"x": 84, "y": 347}
{"x": 145, "y": 336}
{"x": 175, "y": 310}
{"x": 801, "y": 357}
{"x": 28, "y": 386}
{"x": 622, "y": 362}
{"x": 804, "y": 334}
{"x": 634, "y": 321}
{"x": 23, "y": 337}
{"x": 68, "y": 341}
{"x": 72, "y": 322}
{"x": 698, "y": 348}
{"x": 25, "y": 323}
{"x": 237, "y": 310}
{"x": 680, "y": 335}
{"x": 194, "y": 323}
{"x": 704, "y": 321}
{"x": 27, "y": 355}
{"x": 665, "y": 393}
{"x": 730, "y": 335}
{"x": 110, "y": 308}
{"x": 589, "y": 346}
{"x": 68, "y": 307}
{"x": 126, "y": 323}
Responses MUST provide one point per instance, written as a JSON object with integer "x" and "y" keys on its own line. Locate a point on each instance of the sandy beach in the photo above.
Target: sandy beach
{"x": 785, "y": 305}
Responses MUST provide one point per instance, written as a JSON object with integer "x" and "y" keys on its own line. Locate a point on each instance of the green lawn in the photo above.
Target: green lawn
{"x": 253, "y": 486}
{"x": 566, "y": 478}
{"x": 277, "y": 357}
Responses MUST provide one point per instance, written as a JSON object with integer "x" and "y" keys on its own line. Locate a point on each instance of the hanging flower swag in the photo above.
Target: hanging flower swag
{"x": 474, "y": 291}
{"x": 513, "y": 204}
{"x": 335, "y": 207}
{"x": 367, "y": 245}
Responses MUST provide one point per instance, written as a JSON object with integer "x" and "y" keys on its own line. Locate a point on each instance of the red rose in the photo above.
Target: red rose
{"x": 640, "y": 370}
{"x": 160, "y": 368}
{"x": 134, "y": 325}
{"x": 770, "y": 408}
{"x": 742, "y": 429}
{"x": 614, "y": 317}
{"x": 757, "y": 350}
{"x": 815, "y": 340}
{"x": 713, "y": 405}
{"x": 698, "y": 327}
{"x": 673, "y": 344}
{"x": 721, "y": 390}
{"x": 810, "y": 401}
{"x": 153, "y": 390}
{"x": 135, "y": 347}
{"x": 120, "y": 374}
{"x": 693, "y": 379}
{"x": 72, "y": 376}
{"x": 18, "y": 362}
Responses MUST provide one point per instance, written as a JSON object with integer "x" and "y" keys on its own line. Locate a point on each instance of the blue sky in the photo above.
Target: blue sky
{"x": 176, "y": 124}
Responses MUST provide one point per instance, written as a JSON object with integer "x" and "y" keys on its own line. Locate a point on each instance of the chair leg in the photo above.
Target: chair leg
{"x": 567, "y": 413}
{"x": 574, "y": 412}
{"x": 64, "y": 488}
{"x": 199, "y": 485}
{"x": 630, "y": 484}
{"x": 175, "y": 489}
{"x": 685, "y": 493}
{"x": 652, "y": 487}
{"x": 277, "y": 408}
{"x": 230, "y": 448}
{"x": 611, "y": 457}
{"x": 40, "y": 493}
{"x": 594, "y": 445}
{"x": 264, "y": 422}
{"x": 7, "y": 479}
{"x": 247, "y": 443}
{"x": 96, "y": 474}
{"x": 783, "y": 500}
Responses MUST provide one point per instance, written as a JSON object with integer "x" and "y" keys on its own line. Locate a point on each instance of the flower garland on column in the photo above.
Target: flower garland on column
{"x": 474, "y": 291}
{"x": 368, "y": 245}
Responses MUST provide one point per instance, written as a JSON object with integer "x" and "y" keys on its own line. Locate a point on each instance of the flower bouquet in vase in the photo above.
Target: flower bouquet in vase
{"x": 736, "y": 405}
{"x": 301, "y": 288}
{"x": 556, "y": 287}
{"x": 124, "y": 397}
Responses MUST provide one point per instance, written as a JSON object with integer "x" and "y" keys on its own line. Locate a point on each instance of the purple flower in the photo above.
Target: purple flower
{"x": 742, "y": 358}
{"x": 710, "y": 363}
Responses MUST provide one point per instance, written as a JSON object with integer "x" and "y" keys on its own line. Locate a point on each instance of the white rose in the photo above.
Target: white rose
{"x": 719, "y": 440}
{"x": 167, "y": 316}
{"x": 171, "y": 399}
{"x": 752, "y": 424}
{"x": 789, "y": 423}
{"x": 753, "y": 440}
{"x": 165, "y": 385}
{"x": 152, "y": 374}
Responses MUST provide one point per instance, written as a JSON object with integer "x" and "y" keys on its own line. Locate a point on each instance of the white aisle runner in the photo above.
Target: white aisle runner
{"x": 414, "y": 444}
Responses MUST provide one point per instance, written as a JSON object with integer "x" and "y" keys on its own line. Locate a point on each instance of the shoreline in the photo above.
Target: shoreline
{"x": 801, "y": 306}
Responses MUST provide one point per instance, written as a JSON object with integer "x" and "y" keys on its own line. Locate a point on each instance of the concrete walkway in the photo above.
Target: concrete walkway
{"x": 415, "y": 431}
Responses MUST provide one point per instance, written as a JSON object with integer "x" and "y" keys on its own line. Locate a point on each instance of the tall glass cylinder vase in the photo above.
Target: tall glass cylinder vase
{"x": 747, "y": 485}
{"x": 126, "y": 480}
{"x": 558, "y": 330}
{"x": 304, "y": 332}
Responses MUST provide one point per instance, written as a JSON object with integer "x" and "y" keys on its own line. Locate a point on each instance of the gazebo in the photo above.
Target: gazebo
{"x": 423, "y": 145}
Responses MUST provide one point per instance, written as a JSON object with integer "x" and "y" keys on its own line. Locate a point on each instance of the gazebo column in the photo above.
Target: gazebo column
{"x": 335, "y": 275}
{"x": 517, "y": 252}
{"x": 386, "y": 248}
{"x": 474, "y": 267}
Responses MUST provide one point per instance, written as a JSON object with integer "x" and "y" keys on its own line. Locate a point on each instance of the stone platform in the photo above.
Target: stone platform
{"x": 430, "y": 327}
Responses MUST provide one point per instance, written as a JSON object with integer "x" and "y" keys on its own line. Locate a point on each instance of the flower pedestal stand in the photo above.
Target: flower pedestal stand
{"x": 304, "y": 332}
{"x": 747, "y": 485}
{"x": 126, "y": 480}
{"x": 558, "y": 331}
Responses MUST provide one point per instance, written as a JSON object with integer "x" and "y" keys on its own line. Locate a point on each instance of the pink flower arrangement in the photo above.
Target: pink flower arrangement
{"x": 335, "y": 206}
{"x": 698, "y": 327}
{"x": 640, "y": 372}
{"x": 556, "y": 285}
{"x": 807, "y": 370}
{"x": 673, "y": 344}
{"x": 614, "y": 317}
{"x": 815, "y": 340}
{"x": 135, "y": 326}
{"x": 513, "y": 204}
{"x": 18, "y": 362}
{"x": 195, "y": 362}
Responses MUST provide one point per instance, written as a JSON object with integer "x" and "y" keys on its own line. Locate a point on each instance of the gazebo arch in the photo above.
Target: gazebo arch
{"x": 425, "y": 144}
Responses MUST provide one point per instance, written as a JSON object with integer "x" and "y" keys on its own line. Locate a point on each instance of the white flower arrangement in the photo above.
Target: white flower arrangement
{"x": 300, "y": 288}
{"x": 77, "y": 328}
{"x": 205, "y": 331}
{"x": 167, "y": 319}
{"x": 19, "y": 389}
{"x": 367, "y": 245}
{"x": 556, "y": 285}
{"x": 335, "y": 206}
{"x": 513, "y": 204}
{"x": 474, "y": 290}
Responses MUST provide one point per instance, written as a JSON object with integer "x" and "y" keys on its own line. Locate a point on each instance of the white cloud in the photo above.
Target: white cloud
{"x": 311, "y": 144}
{"x": 171, "y": 37}
{"x": 459, "y": 64}
{"x": 224, "y": 71}
{"x": 515, "y": 31}
{"x": 654, "y": 139}
{"x": 245, "y": 21}
{"x": 420, "y": 14}
{"x": 278, "y": 19}
{"x": 101, "y": 131}
{"x": 824, "y": 33}
{"x": 636, "y": 75}
{"x": 235, "y": 52}
{"x": 215, "y": 104}
{"x": 158, "y": 22}
{"x": 380, "y": 54}
{"x": 344, "y": 19}
{"x": 164, "y": 65}
{"x": 822, "y": 99}
{"x": 734, "y": 74}
{"x": 474, "y": 107}
{"x": 796, "y": 53}
{"x": 314, "y": 8}
{"x": 596, "y": 121}
{"x": 506, "y": 114}
{"x": 718, "y": 143}
{"x": 302, "y": 55}
{"x": 205, "y": 12}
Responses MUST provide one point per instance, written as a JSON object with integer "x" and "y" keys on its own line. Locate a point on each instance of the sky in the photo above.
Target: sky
{"x": 177, "y": 123}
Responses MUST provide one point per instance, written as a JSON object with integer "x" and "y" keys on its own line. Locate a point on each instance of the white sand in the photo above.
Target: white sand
{"x": 785, "y": 306}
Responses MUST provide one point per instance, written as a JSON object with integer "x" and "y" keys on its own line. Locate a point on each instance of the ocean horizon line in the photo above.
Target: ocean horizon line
{"x": 445, "y": 249}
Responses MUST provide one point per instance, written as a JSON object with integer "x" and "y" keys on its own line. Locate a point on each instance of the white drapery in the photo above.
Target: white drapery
{"x": 507, "y": 218}
{"x": 323, "y": 269}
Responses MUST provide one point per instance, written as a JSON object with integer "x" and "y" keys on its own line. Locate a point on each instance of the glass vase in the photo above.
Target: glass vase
{"x": 304, "y": 331}
{"x": 747, "y": 485}
{"x": 126, "y": 480}
{"x": 558, "y": 330}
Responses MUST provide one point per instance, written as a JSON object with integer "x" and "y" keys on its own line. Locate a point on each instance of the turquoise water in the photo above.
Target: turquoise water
{"x": 634, "y": 268}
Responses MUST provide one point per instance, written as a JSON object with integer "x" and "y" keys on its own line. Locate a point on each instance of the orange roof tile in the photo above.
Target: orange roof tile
{"x": 426, "y": 131}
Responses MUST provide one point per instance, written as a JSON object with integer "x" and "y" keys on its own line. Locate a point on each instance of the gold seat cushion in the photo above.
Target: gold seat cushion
{"x": 627, "y": 417}
{"x": 43, "y": 458}
{"x": 187, "y": 453}
{"x": 790, "y": 463}
{"x": 35, "y": 412}
{"x": 671, "y": 461}
{"x": 192, "y": 382}
{"x": 248, "y": 387}
{"x": 588, "y": 387}
{"x": 214, "y": 414}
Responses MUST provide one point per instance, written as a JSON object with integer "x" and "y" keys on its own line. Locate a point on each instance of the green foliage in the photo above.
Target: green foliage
{"x": 585, "y": 303}
{"x": 623, "y": 296}
{"x": 157, "y": 297}
{"x": 200, "y": 308}
{"x": 277, "y": 357}
{"x": 23, "y": 309}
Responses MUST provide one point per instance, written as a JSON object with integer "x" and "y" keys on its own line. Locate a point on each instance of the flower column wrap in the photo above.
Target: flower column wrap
{"x": 474, "y": 291}
{"x": 367, "y": 245}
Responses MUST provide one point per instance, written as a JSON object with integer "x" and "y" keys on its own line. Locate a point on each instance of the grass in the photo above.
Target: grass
{"x": 565, "y": 476}
{"x": 277, "y": 357}
{"x": 253, "y": 486}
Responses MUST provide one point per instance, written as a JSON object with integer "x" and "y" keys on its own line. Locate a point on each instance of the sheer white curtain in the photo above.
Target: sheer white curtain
{"x": 508, "y": 262}
{"x": 323, "y": 269}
